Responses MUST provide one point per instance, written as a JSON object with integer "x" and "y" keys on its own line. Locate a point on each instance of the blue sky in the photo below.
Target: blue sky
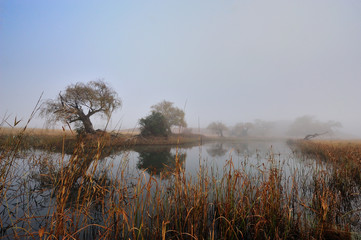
{"x": 230, "y": 61}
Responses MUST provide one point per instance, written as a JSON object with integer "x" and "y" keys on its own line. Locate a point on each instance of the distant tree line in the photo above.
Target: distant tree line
{"x": 81, "y": 101}
{"x": 301, "y": 127}
{"x": 241, "y": 129}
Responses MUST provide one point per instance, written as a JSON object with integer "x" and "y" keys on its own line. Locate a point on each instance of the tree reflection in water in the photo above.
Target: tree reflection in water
{"x": 160, "y": 159}
{"x": 41, "y": 189}
{"x": 240, "y": 148}
{"x": 217, "y": 150}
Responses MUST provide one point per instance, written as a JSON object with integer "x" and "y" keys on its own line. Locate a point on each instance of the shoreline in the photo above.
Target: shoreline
{"x": 58, "y": 140}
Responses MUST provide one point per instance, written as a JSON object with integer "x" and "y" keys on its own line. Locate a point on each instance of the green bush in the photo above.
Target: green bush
{"x": 154, "y": 125}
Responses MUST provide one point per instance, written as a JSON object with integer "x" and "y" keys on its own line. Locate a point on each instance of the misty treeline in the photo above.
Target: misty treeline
{"x": 81, "y": 101}
{"x": 300, "y": 127}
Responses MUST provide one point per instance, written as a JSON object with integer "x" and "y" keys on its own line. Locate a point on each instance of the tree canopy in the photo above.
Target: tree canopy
{"x": 218, "y": 128}
{"x": 154, "y": 124}
{"x": 79, "y": 102}
{"x": 174, "y": 115}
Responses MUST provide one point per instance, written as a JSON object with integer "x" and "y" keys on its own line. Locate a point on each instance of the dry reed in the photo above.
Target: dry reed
{"x": 77, "y": 196}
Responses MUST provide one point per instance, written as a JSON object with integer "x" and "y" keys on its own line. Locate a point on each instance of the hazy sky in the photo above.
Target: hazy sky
{"x": 224, "y": 60}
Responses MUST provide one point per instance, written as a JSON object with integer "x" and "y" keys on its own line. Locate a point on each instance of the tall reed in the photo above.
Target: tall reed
{"x": 82, "y": 196}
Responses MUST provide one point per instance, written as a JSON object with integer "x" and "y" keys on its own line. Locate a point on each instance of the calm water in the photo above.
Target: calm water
{"x": 212, "y": 156}
{"x": 29, "y": 191}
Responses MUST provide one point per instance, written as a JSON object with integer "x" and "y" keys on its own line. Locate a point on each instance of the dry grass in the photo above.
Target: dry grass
{"x": 90, "y": 201}
{"x": 343, "y": 181}
{"x": 79, "y": 196}
{"x": 344, "y": 156}
{"x": 35, "y": 131}
{"x": 59, "y": 140}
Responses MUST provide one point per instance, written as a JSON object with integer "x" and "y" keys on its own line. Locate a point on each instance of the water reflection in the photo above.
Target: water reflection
{"x": 48, "y": 185}
{"x": 80, "y": 174}
{"x": 220, "y": 149}
{"x": 86, "y": 186}
{"x": 217, "y": 150}
{"x": 159, "y": 159}
{"x": 241, "y": 149}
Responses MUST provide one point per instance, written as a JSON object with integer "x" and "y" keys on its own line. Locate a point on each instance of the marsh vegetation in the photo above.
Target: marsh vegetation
{"x": 220, "y": 190}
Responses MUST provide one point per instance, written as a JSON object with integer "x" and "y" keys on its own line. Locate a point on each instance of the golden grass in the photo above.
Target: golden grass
{"x": 344, "y": 158}
{"x": 85, "y": 199}
{"x": 53, "y": 138}
{"x": 35, "y": 131}
{"x": 339, "y": 143}
{"x": 91, "y": 202}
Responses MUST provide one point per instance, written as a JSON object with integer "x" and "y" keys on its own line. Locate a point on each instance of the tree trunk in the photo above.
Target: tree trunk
{"x": 309, "y": 136}
{"x": 88, "y": 126}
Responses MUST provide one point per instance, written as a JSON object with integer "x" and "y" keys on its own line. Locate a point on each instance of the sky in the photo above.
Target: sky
{"x": 219, "y": 60}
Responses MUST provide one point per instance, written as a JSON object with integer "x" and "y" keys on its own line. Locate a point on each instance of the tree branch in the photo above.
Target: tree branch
{"x": 90, "y": 113}
{"x": 74, "y": 120}
{"x": 309, "y": 136}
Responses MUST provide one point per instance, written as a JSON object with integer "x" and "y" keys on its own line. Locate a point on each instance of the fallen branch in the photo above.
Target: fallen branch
{"x": 309, "y": 136}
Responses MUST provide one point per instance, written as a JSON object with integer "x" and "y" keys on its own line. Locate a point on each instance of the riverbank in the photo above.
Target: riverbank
{"x": 65, "y": 140}
{"x": 58, "y": 140}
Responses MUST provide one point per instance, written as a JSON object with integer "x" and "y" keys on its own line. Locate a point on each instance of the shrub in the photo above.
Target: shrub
{"x": 154, "y": 125}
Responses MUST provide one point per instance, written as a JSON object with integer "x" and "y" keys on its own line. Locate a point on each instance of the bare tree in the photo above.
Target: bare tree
{"x": 218, "y": 128}
{"x": 174, "y": 115}
{"x": 81, "y": 101}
